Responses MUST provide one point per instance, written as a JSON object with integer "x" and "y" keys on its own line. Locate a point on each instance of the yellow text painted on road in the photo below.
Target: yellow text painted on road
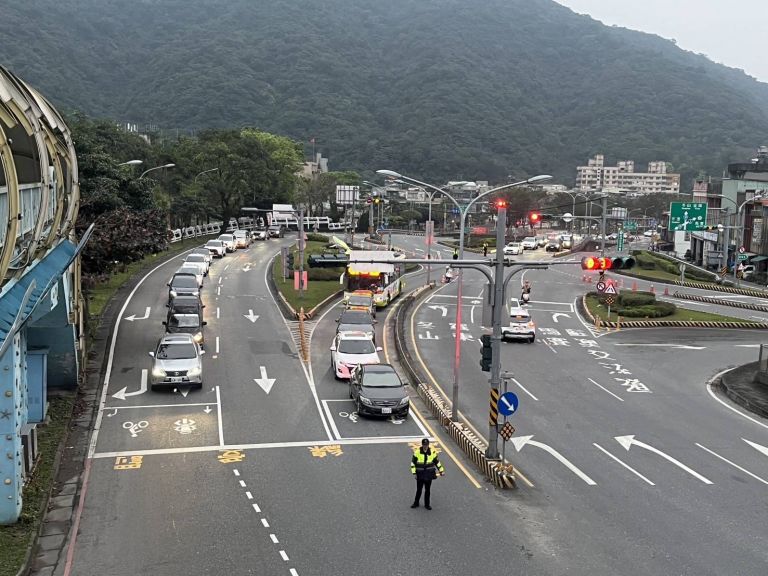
{"x": 323, "y": 451}
{"x": 128, "y": 462}
{"x": 231, "y": 456}
{"x": 417, "y": 414}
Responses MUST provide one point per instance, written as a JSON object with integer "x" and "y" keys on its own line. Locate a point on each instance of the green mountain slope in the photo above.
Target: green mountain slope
{"x": 434, "y": 88}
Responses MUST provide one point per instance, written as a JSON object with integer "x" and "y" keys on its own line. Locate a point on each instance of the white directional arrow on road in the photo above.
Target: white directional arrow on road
{"x": 122, "y": 394}
{"x": 556, "y": 314}
{"x": 207, "y": 410}
{"x": 628, "y": 441}
{"x": 251, "y": 316}
{"x": 756, "y": 446}
{"x": 675, "y": 346}
{"x": 523, "y": 440}
{"x": 443, "y": 308}
{"x": 265, "y": 383}
{"x": 133, "y": 317}
{"x": 247, "y": 267}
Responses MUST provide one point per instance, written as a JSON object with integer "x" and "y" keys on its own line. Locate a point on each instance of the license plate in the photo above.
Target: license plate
{"x": 386, "y": 410}
{"x": 175, "y": 379}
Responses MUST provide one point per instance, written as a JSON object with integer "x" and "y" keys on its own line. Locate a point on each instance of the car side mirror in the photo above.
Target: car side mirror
{"x": 205, "y": 323}
{"x": 379, "y": 348}
{"x": 152, "y": 354}
{"x": 165, "y": 323}
{"x": 332, "y": 348}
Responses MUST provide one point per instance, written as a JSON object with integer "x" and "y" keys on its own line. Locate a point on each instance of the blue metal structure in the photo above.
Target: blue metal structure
{"x": 41, "y": 307}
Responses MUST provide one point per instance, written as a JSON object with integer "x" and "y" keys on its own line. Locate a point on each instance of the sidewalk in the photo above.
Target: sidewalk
{"x": 741, "y": 386}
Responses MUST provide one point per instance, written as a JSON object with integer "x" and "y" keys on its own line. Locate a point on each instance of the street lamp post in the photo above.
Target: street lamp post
{"x": 464, "y": 210}
{"x": 169, "y": 165}
{"x": 196, "y": 176}
{"x": 573, "y": 209}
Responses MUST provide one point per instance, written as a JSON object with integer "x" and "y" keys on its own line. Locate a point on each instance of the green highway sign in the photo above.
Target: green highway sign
{"x": 687, "y": 216}
{"x": 630, "y": 225}
{"x": 620, "y": 241}
{"x": 743, "y": 256}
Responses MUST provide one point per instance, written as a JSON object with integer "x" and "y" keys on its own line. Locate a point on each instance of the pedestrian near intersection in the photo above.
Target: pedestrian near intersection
{"x": 425, "y": 465}
{"x": 485, "y": 249}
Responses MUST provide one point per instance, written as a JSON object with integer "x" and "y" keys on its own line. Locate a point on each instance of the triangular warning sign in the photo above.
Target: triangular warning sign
{"x": 610, "y": 289}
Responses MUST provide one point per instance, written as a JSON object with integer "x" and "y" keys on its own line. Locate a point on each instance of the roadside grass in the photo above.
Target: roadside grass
{"x": 316, "y": 290}
{"x": 601, "y": 311}
{"x": 16, "y": 539}
{"x": 99, "y": 295}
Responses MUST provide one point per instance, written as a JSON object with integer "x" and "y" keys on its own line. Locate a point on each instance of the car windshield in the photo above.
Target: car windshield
{"x": 226, "y": 238}
{"x": 184, "y": 281}
{"x": 184, "y": 320}
{"x": 275, "y": 227}
{"x": 529, "y": 239}
{"x": 356, "y": 347}
{"x": 381, "y": 380}
{"x": 214, "y": 243}
{"x": 356, "y": 328}
{"x": 355, "y": 317}
{"x": 359, "y": 301}
{"x": 195, "y": 258}
{"x": 176, "y": 351}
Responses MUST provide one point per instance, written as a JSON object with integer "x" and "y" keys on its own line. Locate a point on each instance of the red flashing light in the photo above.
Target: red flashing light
{"x": 500, "y": 203}
{"x": 596, "y": 263}
{"x": 534, "y": 217}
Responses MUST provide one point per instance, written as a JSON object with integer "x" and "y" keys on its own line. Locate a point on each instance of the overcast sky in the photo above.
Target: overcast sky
{"x": 731, "y": 32}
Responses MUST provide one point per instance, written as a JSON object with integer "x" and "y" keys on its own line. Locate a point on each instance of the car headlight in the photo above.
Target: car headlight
{"x": 366, "y": 401}
{"x": 158, "y": 372}
{"x": 198, "y": 337}
{"x": 404, "y": 401}
{"x": 196, "y": 371}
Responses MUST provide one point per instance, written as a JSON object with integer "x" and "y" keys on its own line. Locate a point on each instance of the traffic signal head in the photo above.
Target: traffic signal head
{"x": 289, "y": 260}
{"x": 500, "y": 203}
{"x": 599, "y": 264}
{"x": 534, "y": 218}
{"x": 486, "y": 353}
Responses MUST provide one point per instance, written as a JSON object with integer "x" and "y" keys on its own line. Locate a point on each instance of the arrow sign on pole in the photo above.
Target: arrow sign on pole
{"x": 443, "y": 308}
{"x": 628, "y": 441}
{"x": 523, "y": 440}
{"x": 122, "y": 394}
{"x": 133, "y": 317}
{"x": 556, "y": 315}
{"x": 251, "y": 316}
{"x": 758, "y": 447}
{"x": 265, "y": 383}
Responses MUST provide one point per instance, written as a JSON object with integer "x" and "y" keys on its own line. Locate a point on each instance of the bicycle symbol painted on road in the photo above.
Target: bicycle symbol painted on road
{"x": 134, "y": 429}
{"x": 352, "y": 416}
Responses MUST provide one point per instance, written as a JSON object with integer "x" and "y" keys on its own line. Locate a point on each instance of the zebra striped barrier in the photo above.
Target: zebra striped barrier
{"x": 502, "y": 476}
{"x": 718, "y": 288}
{"x": 745, "y": 305}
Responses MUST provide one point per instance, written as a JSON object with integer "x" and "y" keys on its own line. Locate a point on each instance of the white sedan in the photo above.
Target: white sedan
{"x": 351, "y": 349}
{"x": 513, "y": 248}
{"x": 198, "y": 260}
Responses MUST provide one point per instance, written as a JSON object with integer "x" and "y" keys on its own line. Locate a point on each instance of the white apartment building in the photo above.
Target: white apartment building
{"x": 596, "y": 176}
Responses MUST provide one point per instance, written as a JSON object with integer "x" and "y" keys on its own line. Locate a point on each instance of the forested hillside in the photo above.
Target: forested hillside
{"x": 436, "y": 88}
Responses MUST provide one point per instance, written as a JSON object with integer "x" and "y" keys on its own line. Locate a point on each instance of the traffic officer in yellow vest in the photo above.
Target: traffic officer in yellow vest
{"x": 425, "y": 466}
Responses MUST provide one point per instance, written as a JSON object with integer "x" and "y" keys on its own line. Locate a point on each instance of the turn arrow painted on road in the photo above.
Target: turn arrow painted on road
{"x": 628, "y": 441}
{"x": 133, "y": 317}
{"x": 758, "y": 447}
{"x": 444, "y": 309}
{"x": 523, "y": 440}
{"x": 556, "y": 314}
{"x": 122, "y": 394}
{"x": 251, "y": 316}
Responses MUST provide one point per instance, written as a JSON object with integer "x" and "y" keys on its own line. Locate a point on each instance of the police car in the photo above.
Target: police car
{"x": 520, "y": 327}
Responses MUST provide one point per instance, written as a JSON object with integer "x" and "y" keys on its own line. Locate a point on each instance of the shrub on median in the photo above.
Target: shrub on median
{"x": 629, "y": 299}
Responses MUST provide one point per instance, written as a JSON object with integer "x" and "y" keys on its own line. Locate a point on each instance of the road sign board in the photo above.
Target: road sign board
{"x": 620, "y": 241}
{"x": 508, "y": 403}
{"x": 743, "y": 256}
{"x": 742, "y": 250}
{"x": 630, "y": 225}
{"x": 600, "y": 286}
{"x": 567, "y": 217}
{"x": 506, "y": 431}
{"x": 610, "y": 289}
{"x": 687, "y": 216}
{"x": 610, "y": 300}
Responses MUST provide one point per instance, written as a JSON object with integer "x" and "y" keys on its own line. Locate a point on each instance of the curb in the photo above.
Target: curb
{"x": 742, "y": 401}
{"x": 584, "y": 311}
{"x": 501, "y": 475}
{"x": 731, "y": 303}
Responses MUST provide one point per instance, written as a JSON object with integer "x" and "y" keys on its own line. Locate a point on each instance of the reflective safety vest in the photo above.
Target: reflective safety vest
{"x": 424, "y": 465}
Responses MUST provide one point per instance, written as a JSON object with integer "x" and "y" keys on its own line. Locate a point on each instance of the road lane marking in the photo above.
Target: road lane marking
{"x": 242, "y": 483}
{"x": 217, "y": 344}
{"x": 264, "y": 523}
{"x": 619, "y": 398}
{"x": 524, "y": 389}
{"x": 249, "y": 495}
{"x": 218, "y": 410}
{"x": 522, "y": 441}
{"x": 627, "y": 466}
{"x": 255, "y": 507}
{"x": 220, "y": 279}
{"x": 157, "y": 406}
{"x": 217, "y": 312}
{"x": 274, "y": 539}
{"x": 629, "y": 440}
{"x": 756, "y": 477}
{"x": 283, "y": 555}
{"x": 236, "y": 471}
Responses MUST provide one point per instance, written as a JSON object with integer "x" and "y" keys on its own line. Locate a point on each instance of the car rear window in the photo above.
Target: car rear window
{"x": 359, "y": 301}
{"x": 195, "y": 258}
{"x": 381, "y": 380}
{"x": 356, "y": 347}
{"x": 185, "y": 320}
{"x": 520, "y": 319}
{"x": 184, "y": 281}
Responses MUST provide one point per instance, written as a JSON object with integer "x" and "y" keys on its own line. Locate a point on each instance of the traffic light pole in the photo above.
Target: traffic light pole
{"x": 498, "y": 305}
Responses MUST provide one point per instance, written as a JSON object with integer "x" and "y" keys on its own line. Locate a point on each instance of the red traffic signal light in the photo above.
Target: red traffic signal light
{"x": 601, "y": 264}
{"x": 500, "y": 203}
{"x": 534, "y": 217}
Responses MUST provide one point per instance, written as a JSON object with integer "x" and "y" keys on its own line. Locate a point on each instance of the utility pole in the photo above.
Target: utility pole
{"x": 726, "y": 239}
{"x": 498, "y": 305}
{"x": 301, "y": 252}
{"x": 602, "y": 226}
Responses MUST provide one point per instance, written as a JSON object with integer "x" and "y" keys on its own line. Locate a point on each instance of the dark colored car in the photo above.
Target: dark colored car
{"x": 553, "y": 246}
{"x": 183, "y": 284}
{"x": 356, "y": 320}
{"x": 186, "y": 305}
{"x": 276, "y": 231}
{"x": 378, "y": 391}
{"x": 186, "y": 324}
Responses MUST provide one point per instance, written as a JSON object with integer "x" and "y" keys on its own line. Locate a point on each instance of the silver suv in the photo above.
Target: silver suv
{"x": 178, "y": 361}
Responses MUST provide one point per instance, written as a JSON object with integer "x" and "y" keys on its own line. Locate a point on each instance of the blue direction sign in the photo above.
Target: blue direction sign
{"x": 508, "y": 403}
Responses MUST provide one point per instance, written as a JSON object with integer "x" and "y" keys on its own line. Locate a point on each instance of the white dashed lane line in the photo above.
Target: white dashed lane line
{"x": 265, "y": 523}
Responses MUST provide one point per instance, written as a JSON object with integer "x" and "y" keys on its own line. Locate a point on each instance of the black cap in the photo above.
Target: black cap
{"x": 425, "y": 442}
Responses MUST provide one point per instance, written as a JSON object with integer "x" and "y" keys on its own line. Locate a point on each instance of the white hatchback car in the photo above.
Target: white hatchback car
{"x": 521, "y": 326}
{"x": 351, "y": 349}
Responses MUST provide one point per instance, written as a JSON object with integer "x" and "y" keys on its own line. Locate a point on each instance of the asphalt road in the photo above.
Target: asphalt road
{"x": 629, "y": 461}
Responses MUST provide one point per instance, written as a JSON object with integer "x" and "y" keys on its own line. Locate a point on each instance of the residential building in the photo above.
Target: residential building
{"x": 623, "y": 178}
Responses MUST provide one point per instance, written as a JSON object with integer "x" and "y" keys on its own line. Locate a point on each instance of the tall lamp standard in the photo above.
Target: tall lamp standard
{"x": 169, "y": 165}
{"x": 573, "y": 210}
{"x": 195, "y": 180}
{"x": 464, "y": 210}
